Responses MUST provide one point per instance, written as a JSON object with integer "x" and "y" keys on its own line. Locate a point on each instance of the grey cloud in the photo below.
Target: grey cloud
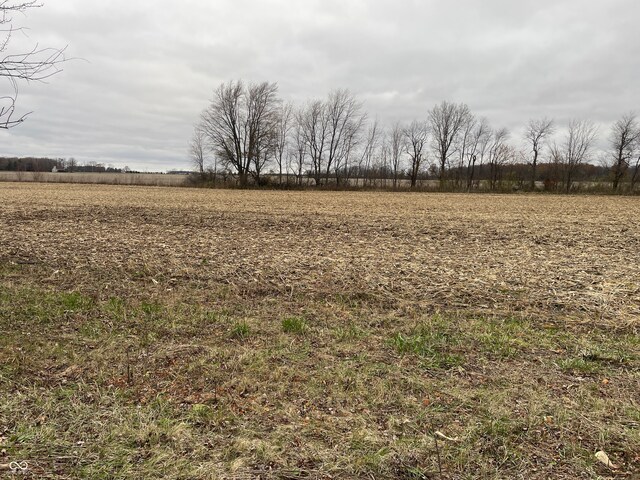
{"x": 151, "y": 65}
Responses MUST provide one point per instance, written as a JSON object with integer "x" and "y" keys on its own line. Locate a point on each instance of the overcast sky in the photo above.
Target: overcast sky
{"x": 149, "y": 66}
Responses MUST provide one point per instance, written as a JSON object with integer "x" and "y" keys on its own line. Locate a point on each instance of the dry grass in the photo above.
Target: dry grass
{"x": 180, "y": 333}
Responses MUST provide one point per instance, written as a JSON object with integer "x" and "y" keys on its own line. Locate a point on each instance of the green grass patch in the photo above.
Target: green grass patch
{"x": 433, "y": 342}
{"x": 151, "y": 308}
{"x": 240, "y": 331}
{"x": 349, "y": 333}
{"x": 579, "y": 365}
{"x": 294, "y": 325}
{"x": 201, "y": 399}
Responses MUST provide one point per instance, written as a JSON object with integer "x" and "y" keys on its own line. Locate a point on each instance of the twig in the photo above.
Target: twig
{"x": 444, "y": 437}
{"x": 435, "y": 438}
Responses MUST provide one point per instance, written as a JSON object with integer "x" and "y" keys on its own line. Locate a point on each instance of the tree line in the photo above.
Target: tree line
{"x": 248, "y": 133}
{"x": 43, "y": 164}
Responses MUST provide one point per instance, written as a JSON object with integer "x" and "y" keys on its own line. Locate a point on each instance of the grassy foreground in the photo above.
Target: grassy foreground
{"x": 166, "y": 388}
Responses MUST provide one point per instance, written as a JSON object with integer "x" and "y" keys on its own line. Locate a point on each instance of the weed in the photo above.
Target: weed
{"x": 579, "y": 365}
{"x": 116, "y": 306}
{"x": 151, "y": 309}
{"x": 74, "y": 301}
{"x": 431, "y": 342}
{"x": 295, "y": 325}
{"x": 352, "y": 332}
{"x": 240, "y": 331}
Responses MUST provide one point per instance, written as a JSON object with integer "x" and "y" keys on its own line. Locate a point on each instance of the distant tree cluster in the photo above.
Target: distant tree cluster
{"x": 248, "y": 133}
{"x": 33, "y": 164}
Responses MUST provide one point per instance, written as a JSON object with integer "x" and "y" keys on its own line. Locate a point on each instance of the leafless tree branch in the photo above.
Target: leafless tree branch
{"x": 416, "y": 135}
{"x": 625, "y": 146}
{"x": 447, "y": 120}
{"x": 240, "y": 125}
{"x": 575, "y": 150}
{"x": 35, "y": 65}
{"x": 537, "y": 133}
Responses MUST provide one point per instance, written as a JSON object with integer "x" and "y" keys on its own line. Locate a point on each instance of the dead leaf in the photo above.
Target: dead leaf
{"x": 604, "y": 458}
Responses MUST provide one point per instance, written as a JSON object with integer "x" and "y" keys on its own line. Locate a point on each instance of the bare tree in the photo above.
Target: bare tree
{"x": 262, "y": 124}
{"x": 198, "y": 150}
{"x": 384, "y": 165}
{"x": 463, "y": 145}
{"x": 368, "y": 152}
{"x": 36, "y": 64}
{"x": 556, "y": 158}
{"x": 344, "y": 119}
{"x": 447, "y": 120}
{"x": 71, "y": 164}
{"x": 223, "y": 122}
{"x": 331, "y": 131}
{"x": 575, "y": 150}
{"x": 298, "y": 153}
{"x": 416, "y": 135}
{"x": 481, "y": 136}
{"x": 635, "y": 173}
{"x": 312, "y": 121}
{"x": 625, "y": 143}
{"x": 499, "y": 154}
{"x": 537, "y": 133}
{"x": 283, "y": 129}
{"x": 396, "y": 148}
{"x": 240, "y": 123}
{"x": 473, "y": 139}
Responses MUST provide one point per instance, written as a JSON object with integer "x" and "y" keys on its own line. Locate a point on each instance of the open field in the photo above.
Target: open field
{"x": 151, "y": 179}
{"x": 196, "y": 334}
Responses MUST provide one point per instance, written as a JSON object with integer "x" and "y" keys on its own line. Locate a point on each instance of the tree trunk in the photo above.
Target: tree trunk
{"x": 244, "y": 179}
{"x": 635, "y": 175}
{"x": 443, "y": 165}
{"x": 617, "y": 172}
{"x": 471, "y": 173}
{"x": 533, "y": 170}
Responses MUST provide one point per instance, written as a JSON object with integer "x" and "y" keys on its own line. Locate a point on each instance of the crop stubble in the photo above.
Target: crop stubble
{"x": 509, "y": 322}
{"x": 576, "y": 257}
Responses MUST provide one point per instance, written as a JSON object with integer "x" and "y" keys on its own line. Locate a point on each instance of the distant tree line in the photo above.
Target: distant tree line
{"x": 33, "y": 164}
{"x": 249, "y": 135}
